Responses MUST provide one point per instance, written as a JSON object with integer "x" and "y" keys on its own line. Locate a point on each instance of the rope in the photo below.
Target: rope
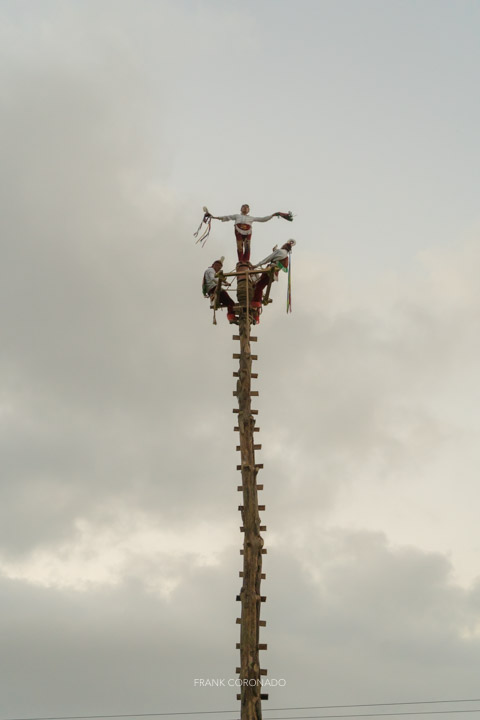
{"x": 289, "y": 285}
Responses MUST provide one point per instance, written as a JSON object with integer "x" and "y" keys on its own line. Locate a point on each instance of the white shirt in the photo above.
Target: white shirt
{"x": 245, "y": 220}
{"x": 210, "y": 279}
{"x": 274, "y": 257}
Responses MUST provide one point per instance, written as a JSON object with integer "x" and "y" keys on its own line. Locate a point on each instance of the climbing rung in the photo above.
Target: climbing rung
{"x": 264, "y": 551}
{"x": 263, "y": 696}
{"x": 252, "y": 338}
{"x": 239, "y": 622}
{"x": 262, "y": 576}
{"x": 237, "y": 429}
{"x": 253, "y": 393}
{"x": 263, "y": 528}
{"x": 262, "y": 623}
{"x": 257, "y": 467}
{"x": 261, "y": 646}
{"x": 240, "y": 487}
{"x": 263, "y": 671}
{"x": 252, "y": 412}
{"x": 263, "y": 598}
{"x": 237, "y": 356}
{"x": 255, "y": 447}
{"x": 252, "y": 375}
{"x": 260, "y": 507}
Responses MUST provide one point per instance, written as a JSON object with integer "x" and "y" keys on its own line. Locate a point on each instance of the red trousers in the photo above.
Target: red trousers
{"x": 224, "y": 300}
{"x": 243, "y": 246}
{"x": 261, "y": 284}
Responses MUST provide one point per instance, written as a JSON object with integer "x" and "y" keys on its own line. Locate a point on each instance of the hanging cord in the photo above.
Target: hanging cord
{"x": 207, "y": 219}
{"x": 247, "y": 278}
{"x": 289, "y": 284}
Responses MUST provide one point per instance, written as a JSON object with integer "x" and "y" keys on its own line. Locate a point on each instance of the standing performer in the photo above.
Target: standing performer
{"x": 209, "y": 286}
{"x": 243, "y": 228}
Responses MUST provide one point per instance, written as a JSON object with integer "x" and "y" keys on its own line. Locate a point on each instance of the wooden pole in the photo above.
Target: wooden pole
{"x": 250, "y": 595}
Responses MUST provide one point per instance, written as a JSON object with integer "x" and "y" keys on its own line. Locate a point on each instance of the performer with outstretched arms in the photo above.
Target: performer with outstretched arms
{"x": 243, "y": 228}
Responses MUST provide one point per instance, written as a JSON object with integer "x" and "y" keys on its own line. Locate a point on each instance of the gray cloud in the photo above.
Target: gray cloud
{"x": 118, "y": 456}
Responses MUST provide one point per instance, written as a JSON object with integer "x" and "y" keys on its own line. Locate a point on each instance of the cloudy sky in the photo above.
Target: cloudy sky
{"x": 119, "y": 529}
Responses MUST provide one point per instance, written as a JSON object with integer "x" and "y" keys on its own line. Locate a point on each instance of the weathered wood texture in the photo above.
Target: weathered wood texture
{"x": 250, "y": 595}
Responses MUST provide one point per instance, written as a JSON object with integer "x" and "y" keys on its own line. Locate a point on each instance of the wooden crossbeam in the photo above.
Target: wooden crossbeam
{"x": 252, "y": 375}
{"x": 237, "y": 429}
{"x": 252, "y": 338}
{"x": 253, "y": 393}
{"x": 240, "y": 487}
{"x": 236, "y": 356}
{"x": 257, "y": 467}
{"x": 255, "y": 447}
{"x": 262, "y": 576}
{"x": 263, "y": 671}
{"x": 252, "y": 412}
{"x": 263, "y": 528}
{"x": 260, "y": 508}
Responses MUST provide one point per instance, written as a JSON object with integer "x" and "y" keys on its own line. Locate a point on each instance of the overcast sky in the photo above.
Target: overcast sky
{"x": 119, "y": 529}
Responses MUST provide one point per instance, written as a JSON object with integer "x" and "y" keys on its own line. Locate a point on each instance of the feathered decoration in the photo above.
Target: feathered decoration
{"x": 207, "y": 220}
{"x": 286, "y": 216}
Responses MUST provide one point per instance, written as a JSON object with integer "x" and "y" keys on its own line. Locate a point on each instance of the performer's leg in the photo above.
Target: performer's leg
{"x": 246, "y": 249}
{"x": 261, "y": 284}
{"x": 240, "y": 250}
{"x": 239, "y": 239}
{"x": 226, "y": 301}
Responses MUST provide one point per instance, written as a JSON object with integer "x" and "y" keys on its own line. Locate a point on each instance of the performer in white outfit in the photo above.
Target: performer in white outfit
{"x": 243, "y": 228}
{"x": 279, "y": 258}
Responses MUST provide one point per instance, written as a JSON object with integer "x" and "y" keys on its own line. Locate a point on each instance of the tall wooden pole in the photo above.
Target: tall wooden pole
{"x": 250, "y": 595}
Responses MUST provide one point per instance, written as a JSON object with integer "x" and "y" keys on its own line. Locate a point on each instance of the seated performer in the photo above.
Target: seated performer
{"x": 209, "y": 286}
{"x": 279, "y": 259}
{"x": 243, "y": 228}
